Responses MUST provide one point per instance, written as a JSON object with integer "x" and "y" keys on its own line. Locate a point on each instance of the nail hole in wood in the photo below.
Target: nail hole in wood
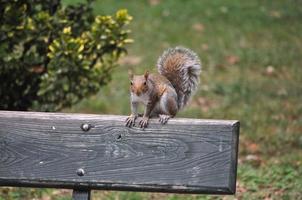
{"x": 119, "y": 137}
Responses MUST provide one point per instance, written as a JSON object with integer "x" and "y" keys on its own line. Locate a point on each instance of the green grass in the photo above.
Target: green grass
{"x": 252, "y": 55}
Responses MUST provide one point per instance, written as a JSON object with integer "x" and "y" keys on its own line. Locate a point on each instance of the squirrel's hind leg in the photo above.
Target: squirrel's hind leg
{"x": 168, "y": 106}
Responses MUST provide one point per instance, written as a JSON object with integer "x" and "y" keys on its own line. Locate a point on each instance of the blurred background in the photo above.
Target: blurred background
{"x": 251, "y": 53}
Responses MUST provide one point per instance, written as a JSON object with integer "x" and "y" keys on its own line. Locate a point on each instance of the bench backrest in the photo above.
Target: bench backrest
{"x": 85, "y": 152}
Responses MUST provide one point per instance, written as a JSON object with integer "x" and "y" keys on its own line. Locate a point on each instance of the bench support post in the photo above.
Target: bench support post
{"x": 80, "y": 194}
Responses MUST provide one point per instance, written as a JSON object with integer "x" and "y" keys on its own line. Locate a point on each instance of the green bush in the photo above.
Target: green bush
{"x": 53, "y": 56}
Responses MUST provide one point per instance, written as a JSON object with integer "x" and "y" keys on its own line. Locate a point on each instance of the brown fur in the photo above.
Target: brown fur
{"x": 172, "y": 68}
{"x": 139, "y": 85}
{"x": 172, "y": 107}
{"x": 181, "y": 67}
{"x": 156, "y": 86}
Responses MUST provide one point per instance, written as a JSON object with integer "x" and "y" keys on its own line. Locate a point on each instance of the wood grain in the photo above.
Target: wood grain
{"x": 52, "y": 150}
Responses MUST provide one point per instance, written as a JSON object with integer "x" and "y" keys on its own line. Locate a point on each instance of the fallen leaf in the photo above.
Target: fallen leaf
{"x": 154, "y": 2}
{"x": 279, "y": 192}
{"x": 278, "y": 117}
{"x": 270, "y": 70}
{"x": 130, "y": 60}
{"x": 275, "y": 14}
{"x": 240, "y": 188}
{"x": 232, "y": 59}
{"x": 198, "y": 27}
{"x": 253, "y": 159}
{"x": 204, "y": 47}
{"x": 253, "y": 148}
{"x": 45, "y": 197}
{"x": 204, "y": 104}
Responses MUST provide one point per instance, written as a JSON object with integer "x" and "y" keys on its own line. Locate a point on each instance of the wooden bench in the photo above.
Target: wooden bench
{"x": 84, "y": 152}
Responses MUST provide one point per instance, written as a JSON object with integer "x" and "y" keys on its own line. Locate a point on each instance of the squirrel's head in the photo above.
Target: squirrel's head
{"x": 139, "y": 84}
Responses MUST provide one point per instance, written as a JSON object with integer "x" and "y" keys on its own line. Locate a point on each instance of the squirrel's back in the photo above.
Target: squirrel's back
{"x": 182, "y": 67}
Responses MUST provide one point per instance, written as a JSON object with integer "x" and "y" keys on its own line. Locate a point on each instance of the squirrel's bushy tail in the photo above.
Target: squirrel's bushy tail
{"x": 182, "y": 67}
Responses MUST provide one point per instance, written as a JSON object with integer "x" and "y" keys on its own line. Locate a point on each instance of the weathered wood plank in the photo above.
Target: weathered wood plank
{"x": 53, "y": 150}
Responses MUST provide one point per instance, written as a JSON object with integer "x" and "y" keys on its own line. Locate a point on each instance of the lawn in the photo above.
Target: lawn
{"x": 252, "y": 71}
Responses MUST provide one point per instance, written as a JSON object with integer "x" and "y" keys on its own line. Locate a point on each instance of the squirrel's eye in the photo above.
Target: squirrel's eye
{"x": 145, "y": 83}
{"x": 131, "y": 83}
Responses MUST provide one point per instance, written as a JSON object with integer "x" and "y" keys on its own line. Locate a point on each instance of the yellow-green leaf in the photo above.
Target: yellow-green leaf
{"x": 67, "y": 30}
{"x": 81, "y": 48}
{"x": 52, "y": 48}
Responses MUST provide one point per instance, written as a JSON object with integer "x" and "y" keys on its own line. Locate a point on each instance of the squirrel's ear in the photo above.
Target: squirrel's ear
{"x": 130, "y": 73}
{"x": 146, "y": 74}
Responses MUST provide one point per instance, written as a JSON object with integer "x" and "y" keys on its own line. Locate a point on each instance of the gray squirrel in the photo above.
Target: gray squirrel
{"x": 164, "y": 94}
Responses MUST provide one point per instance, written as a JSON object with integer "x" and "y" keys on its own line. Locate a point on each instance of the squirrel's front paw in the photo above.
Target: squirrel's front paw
{"x": 144, "y": 122}
{"x": 163, "y": 119}
{"x": 130, "y": 121}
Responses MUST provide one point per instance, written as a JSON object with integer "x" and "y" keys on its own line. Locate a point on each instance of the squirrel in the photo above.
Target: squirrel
{"x": 164, "y": 94}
